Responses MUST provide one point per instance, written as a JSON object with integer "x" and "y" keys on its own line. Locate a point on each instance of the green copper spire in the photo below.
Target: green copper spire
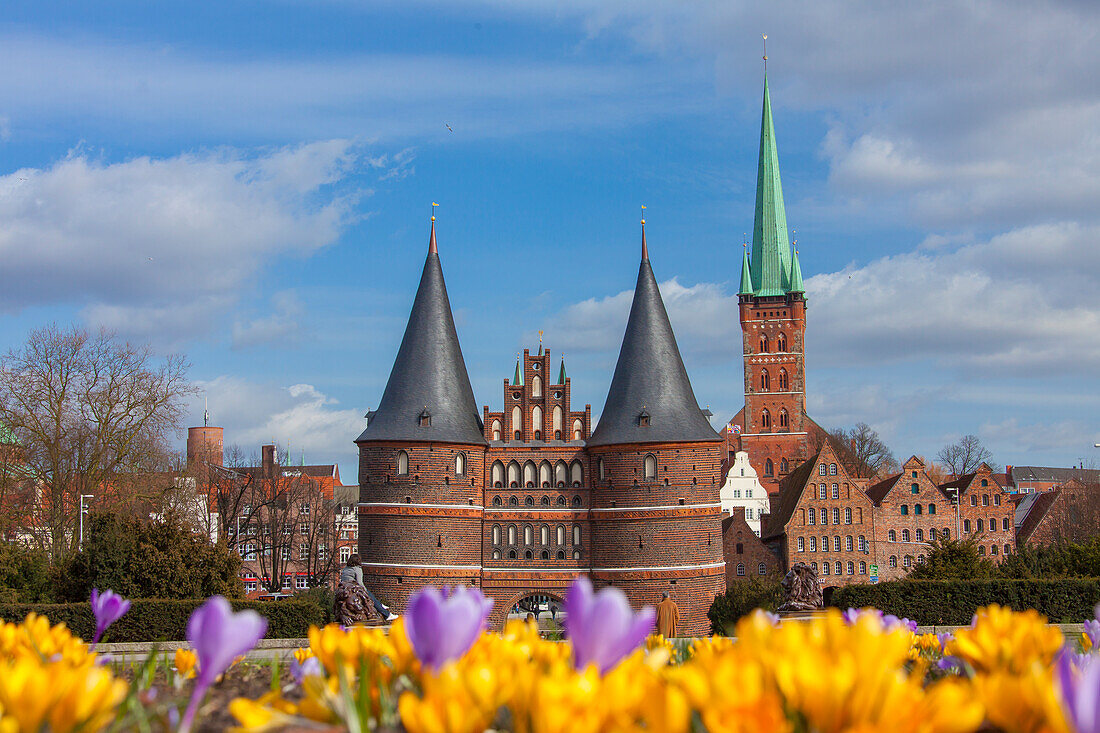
{"x": 561, "y": 373}
{"x": 796, "y": 275}
{"x": 518, "y": 381}
{"x": 771, "y": 250}
{"x": 746, "y": 276}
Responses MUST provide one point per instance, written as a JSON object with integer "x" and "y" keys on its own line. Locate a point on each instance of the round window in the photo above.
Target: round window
{"x": 515, "y": 395}
{"x": 536, "y": 366}
{"x": 557, "y": 395}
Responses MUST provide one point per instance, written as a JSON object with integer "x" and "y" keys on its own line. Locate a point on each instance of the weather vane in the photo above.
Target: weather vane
{"x": 434, "y": 204}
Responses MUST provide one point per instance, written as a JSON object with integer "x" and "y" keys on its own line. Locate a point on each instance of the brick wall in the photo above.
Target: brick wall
{"x": 741, "y": 547}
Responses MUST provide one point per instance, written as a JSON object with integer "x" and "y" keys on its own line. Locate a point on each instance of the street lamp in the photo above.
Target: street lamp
{"x": 83, "y": 509}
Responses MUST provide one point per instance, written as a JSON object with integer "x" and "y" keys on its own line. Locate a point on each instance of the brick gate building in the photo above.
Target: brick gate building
{"x": 523, "y": 500}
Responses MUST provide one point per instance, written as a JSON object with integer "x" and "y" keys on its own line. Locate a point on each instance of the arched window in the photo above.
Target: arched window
{"x": 496, "y": 429}
{"x": 905, "y": 536}
{"x": 650, "y": 467}
{"x": 765, "y": 380}
{"x": 813, "y": 516}
{"x": 511, "y": 534}
{"x": 536, "y": 386}
{"x": 496, "y": 501}
{"x": 824, "y": 516}
{"x": 562, "y": 501}
{"x": 761, "y": 569}
{"x": 825, "y": 568}
{"x": 966, "y": 526}
{"x": 981, "y": 550}
{"x": 765, "y": 419}
{"x": 576, "y": 534}
{"x": 529, "y": 476}
{"x": 781, "y": 342}
{"x": 784, "y": 380}
{"x": 822, "y": 491}
{"x": 513, "y": 501}
{"x": 556, "y": 421}
{"x": 600, "y": 469}
{"x": 931, "y": 508}
{"x": 862, "y": 568}
{"x": 496, "y": 554}
{"x": 740, "y": 568}
{"x": 836, "y": 515}
{"x": 836, "y": 491}
{"x": 496, "y": 534}
{"x": 764, "y": 343}
{"x": 536, "y": 418}
{"x": 849, "y": 543}
{"x": 578, "y": 430}
{"x": 560, "y": 474}
{"x": 917, "y": 509}
{"x": 904, "y": 509}
{"x": 769, "y": 467}
{"x": 892, "y": 535}
{"x": 981, "y": 525}
{"x": 544, "y": 535}
{"x": 822, "y": 470}
{"x": 784, "y": 467}
{"x": 832, "y": 469}
{"x": 847, "y": 515}
{"x": 576, "y": 554}
{"x": 992, "y": 549}
{"x": 528, "y": 555}
{"x": 402, "y": 463}
{"x": 836, "y": 543}
{"x": 813, "y": 544}
{"x": 862, "y": 543}
{"x": 920, "y": 535}
{"x": 545, "y": 555}
{"x": 784, "y": 419}
{"x": 561, "y": 554}
{"x": 577, "y": 473}
{"x": 497, "y": 474}
{"x": 576, "y": 501}
{"x": 545, "y": 471}
{"x": 893, "y": 561}
{"x": 460, "y": 464}
{"x": 527, "y": 534}
{"x": 529, "y": 501}
{"x": 932, "y": 534}
{"x": 511, "y": 554}
{"x": 517, "y": 421}
{"x": 801, "y": 544}
{"x": 560, "y": 532}
{"x": 851, "y": 568}
{"x": 513, "y": 474}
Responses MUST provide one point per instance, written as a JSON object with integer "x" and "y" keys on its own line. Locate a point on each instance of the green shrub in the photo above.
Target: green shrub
{"x": 25, "y": 575}
{"x": 954, "y": 602}
{"x": 137, "y": 558}
{"x": 323, "y": 597}
{"x": 742, "y": 598}
{"x": 166, "y": 620}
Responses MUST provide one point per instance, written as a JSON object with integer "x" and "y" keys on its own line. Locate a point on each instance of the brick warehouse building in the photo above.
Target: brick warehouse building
{"x": 521, "y": 501}
{"x": 773, "y": 426}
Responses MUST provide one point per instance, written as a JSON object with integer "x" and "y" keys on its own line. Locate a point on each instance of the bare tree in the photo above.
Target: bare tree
{"x": 965, "y": 456}
{"x": 90, "y": 412}
{"x": 864, "y": 451}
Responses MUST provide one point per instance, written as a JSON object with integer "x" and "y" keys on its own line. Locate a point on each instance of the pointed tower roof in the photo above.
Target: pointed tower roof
{"x": 561, "y": 373}
{"x": 650, "y": 399}
{"x": 771, "y": 250}
{"x": 517, "y": 380}
{"x": 796, "y": 275}
{"x": 746, "y": 276}
{"x": 429, "y": 374}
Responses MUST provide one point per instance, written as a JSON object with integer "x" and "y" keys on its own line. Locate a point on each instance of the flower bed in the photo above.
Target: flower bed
{"x": 437, "y": 670}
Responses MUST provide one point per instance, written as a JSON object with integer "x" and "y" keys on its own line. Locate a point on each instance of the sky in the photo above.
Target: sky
{"x": 249, "y": 184}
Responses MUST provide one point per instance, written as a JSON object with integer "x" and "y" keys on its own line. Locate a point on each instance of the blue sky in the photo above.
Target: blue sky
{"x": 249, "y": 183}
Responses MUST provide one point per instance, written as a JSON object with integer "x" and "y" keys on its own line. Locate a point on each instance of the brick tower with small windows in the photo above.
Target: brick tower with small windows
{"x": 773, "y": 428}
{"x": 422, "y": 458}
{"x": 655, "y": 508}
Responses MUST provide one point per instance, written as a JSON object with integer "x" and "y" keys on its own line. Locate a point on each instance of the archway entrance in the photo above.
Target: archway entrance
{"x": 547, "y": 608}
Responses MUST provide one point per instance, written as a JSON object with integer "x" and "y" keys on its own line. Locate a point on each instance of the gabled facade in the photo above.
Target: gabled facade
{"x": 823, "y": 518}
{"x": 741, "y": 491}
{"x": 910, "y": 511}
{"x": 986, "y": 512}
{"x": 1070, "y": 512}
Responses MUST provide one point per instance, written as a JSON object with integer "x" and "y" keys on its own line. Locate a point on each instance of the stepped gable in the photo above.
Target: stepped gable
{"x": 650, "y": 399}
{"x": 428, "y": 397}
{"x": 790, "y": 493}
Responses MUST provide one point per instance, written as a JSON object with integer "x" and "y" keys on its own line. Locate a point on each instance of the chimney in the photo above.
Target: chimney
{"x": 269, "y": 459}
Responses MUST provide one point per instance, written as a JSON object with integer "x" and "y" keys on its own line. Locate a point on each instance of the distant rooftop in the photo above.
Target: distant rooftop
{"x": 1055, "y": 475}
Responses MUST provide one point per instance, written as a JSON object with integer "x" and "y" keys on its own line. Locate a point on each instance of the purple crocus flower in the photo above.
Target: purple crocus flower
{"x": 854, "y": 614}
{"x": 891, "y": 622}
{"x": 108, "y": 607}
{"x": 218, "y": 636}
{"x": 601, "y": 626}
{"x": 949, "y": 664}
{"x": 309, "y": 668}
{"x": 1079, "y": 684}
{"x": 1092, "y": 628}
{"x": 944, "y": 637}
{"x": 442, "y": 626}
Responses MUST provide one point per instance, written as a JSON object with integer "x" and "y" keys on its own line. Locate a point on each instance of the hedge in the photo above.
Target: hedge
{"x": 166, "y": 620}
{"x": 953, "y": 602}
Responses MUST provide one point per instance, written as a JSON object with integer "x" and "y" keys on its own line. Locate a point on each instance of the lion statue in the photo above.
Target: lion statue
{"x": 801, "y": 591}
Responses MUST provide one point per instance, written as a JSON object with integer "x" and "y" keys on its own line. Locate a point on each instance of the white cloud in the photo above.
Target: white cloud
{"x": 299, "y": 415}
{"x": 280, "y": 325}
{"x": 162, "y": 246}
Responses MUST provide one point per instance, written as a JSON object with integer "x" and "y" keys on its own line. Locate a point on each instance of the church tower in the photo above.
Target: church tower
{"x": 773, "y": 427}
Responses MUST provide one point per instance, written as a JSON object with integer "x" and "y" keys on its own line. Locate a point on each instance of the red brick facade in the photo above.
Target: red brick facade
{"x": 530, "y": 514}
{"x": 746, "y": 556}
{"x": 986, "y": 513}
{"x": 910, "y": 511}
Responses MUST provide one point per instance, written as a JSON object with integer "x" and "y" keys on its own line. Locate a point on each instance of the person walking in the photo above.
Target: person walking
{"x": 668, "y": 616}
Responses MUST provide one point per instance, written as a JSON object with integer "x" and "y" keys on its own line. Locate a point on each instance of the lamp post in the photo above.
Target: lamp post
{"x": 83, "y": 509}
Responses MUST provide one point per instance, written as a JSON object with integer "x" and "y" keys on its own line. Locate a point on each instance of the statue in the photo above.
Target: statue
{"x": 801, "y": 591}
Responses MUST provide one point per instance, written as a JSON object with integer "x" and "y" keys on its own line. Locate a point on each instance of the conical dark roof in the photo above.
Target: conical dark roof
{"x": 650, "y": 383}
{"x": 429, "y": 383}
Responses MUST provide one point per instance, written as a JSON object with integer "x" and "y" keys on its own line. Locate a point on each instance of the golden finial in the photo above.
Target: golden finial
{"x": 434, "y": 204}
{"x": 540, "y": 338}
{"x": 643, "y": 213}
{"x": 765, "y": 53}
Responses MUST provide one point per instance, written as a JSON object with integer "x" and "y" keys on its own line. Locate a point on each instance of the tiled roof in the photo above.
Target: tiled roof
{"x": 1055, "y": 475}
{"x": 1033, "y": 512}
{"x": 790, "y": 493}
{"x": 878, "y": 491}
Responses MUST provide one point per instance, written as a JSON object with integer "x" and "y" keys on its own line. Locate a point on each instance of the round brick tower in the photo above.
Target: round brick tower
{"x": 656, "y": 512}
{"x": 421, "y": 458}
